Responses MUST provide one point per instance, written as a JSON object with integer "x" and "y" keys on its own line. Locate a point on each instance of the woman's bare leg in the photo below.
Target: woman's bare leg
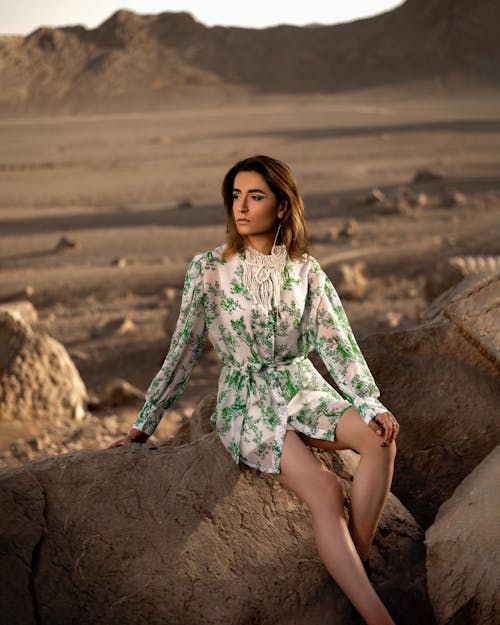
{"x": 319, "y": 489}
{"x": 372, "y": 481}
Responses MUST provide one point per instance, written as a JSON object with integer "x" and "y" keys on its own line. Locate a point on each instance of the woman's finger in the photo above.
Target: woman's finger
{"x": 388, "y": 425}
{"x": 120, "y": 443}
{"x": 375, "y": 427}
{"x": 391, "y": 427}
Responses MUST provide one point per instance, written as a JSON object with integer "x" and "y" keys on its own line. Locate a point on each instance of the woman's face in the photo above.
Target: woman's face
{"x": 255, "y": 207}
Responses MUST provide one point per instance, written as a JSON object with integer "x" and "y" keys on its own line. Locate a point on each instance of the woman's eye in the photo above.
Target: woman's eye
{"x": 236, "y": 195}
{"x": 257, "y": 197}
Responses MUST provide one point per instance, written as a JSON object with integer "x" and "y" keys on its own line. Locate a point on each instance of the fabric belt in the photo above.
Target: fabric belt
{"x": 242, "y": 377}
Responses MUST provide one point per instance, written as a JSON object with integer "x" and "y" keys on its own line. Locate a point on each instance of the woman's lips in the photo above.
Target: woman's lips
{"x": 243, "y": 221}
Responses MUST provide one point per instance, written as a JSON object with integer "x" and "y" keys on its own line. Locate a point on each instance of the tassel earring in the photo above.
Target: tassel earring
{"x": 276, "y": 237}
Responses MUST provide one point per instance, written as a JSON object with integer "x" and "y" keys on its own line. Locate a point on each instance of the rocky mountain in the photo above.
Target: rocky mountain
{"x": 145, "y": 58}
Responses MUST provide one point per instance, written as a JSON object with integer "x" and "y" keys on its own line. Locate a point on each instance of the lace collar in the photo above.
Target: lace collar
{"x": 263, "y": 275}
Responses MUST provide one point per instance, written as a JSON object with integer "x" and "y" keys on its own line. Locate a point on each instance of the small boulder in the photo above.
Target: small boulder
{"x": 119, "y": 392}
{"x": 426, "y": 175}
{"x": 65, "y": 244}
{"x": 23, "y": 309}
{"x": 451, "y": 199}
{"x": 350, "y": 228}
{"x": 38, "y": 380}
{"x": 119, "y": 262}
{"x": 376, "y": 196}
{"x": 353, "y": 280}
{"x": 463, "y": 559}
{"x": 117, "y": 327}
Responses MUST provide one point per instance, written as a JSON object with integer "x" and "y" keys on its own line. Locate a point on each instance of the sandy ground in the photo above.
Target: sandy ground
{"x": 139, "y": 195}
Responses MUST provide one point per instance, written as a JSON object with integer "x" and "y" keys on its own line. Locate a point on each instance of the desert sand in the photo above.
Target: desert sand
{"x": 138, "y": 194}
{"x": 114, "y": 142}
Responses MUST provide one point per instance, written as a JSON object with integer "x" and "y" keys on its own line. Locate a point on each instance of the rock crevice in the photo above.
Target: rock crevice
{"x": 36, "y": 557}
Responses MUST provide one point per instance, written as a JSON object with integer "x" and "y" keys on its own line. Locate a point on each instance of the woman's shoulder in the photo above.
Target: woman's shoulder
{"x": 209, "y": 259}
{"x": 309, "y": 262}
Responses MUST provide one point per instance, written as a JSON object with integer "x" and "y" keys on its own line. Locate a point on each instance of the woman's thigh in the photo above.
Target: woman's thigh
{"x": 351, "y": 433}
{"x": 302, "y": 472}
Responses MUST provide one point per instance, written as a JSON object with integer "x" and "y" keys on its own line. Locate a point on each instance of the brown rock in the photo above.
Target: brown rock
{"x": 450, "y": 199}
{"x": 476, "y": 313}
{"x": 199, "y": 423}
{"x": 426, "y": 175}
{"x": 216, "y": 543}
{"x": 38, "y": 379}
{"x": 122, "y": 325}
{"x": 393, "y": 318}
{"x": 22, "y": 530}
{"x": 350, "y": 228}
{"x": 27, "y": 292}
{"x": 172, "y": 294}
{"x": 451, "y": 271}
{"x": 120, "y": 262}
{"x": 376, "y": 196}
{"x": 23, "y": 309}
{"x": 353, "y": 282}
{"x": 442, "y": 383}
{"x": 64, "y": 244}
{"x": 120, "y": 392}
{"x": 462, "y": 550}
{"x": 333, "y": 234}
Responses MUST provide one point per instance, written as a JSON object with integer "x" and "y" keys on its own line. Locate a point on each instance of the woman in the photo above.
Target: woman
{"x": 266, "y": 305}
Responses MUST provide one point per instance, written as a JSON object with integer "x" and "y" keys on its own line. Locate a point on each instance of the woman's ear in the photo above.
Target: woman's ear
{"x": 282, "y": 209}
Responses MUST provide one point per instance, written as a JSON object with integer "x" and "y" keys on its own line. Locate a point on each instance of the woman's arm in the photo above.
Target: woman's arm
{"x": 184, "y": 352}
{"x": 335, "y": 343}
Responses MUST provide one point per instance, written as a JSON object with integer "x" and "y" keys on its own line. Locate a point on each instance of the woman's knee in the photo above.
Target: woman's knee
{"x": 326, "y": 493}
{"x": 372, "y": 447}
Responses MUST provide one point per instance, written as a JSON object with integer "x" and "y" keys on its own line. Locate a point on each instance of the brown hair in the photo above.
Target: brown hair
{"x": 281, "y": 181}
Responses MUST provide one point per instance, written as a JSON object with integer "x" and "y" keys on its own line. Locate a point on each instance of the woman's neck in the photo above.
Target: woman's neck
{"x": 263, "y": 243}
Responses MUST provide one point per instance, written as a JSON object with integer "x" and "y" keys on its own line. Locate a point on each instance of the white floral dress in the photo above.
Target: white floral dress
{"x": 267, "y": 384}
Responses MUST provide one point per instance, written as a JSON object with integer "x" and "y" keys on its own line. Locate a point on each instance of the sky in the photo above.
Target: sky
{"x": 20, "y": 17}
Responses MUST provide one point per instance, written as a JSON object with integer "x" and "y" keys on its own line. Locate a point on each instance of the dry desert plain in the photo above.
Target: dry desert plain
{"x": 138, "y": 194}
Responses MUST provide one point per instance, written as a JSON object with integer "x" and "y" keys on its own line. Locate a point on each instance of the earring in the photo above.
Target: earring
{"x": 276, "y": 236}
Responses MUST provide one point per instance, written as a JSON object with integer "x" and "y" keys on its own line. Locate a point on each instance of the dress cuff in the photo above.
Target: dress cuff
{"x": 369, "y": 407}
{"x": 148, "y": 418}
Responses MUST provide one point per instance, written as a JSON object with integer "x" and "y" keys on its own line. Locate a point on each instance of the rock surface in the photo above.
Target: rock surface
{"x": 198, "y": 424}
{"x": 119, "y": 392}
{"x": 453, "y": 270}
{"x": 23, "y": 309}
{"x": 181, "y": 535}
{"x": 462, "y": 550}
{"x": 38, "y": 379}
{"x": 442, "y": 382}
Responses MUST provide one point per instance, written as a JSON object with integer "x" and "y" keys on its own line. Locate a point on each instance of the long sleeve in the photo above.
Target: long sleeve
{"x": 184, "y": 352}
{"x": 335, "y": 343}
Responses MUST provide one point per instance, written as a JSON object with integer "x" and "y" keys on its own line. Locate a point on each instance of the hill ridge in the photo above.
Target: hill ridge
{"x": 146, "y": 57}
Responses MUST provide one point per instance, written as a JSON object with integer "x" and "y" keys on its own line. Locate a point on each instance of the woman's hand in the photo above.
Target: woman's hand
{"x": 386, "y": 426}
{"x": 134, "y": 436}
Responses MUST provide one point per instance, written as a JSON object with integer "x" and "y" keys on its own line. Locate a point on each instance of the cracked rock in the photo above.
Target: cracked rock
{"x": 140, "y": 534}
{"x": 462, "y": 549}
{"x": 441, "y": 380}
{"x": 38, "y": 380}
